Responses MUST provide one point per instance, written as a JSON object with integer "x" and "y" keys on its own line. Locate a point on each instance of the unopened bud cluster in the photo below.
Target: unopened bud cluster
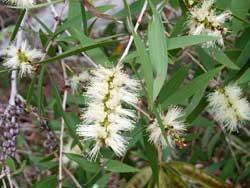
{"x": 9, "y": 129}
{"x": 50, "y": 138}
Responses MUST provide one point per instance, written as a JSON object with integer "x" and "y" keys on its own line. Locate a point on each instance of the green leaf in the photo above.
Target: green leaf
{"x": 196, "y": 112}
{"x": 211, "y": 145}
{"x": 19, "y": 21}
{"x": 40, "y": 90}
{"x": 228, "y": 170}
{"x": 244, "y": 56}
{"x": 241, "y": 62}
{"x": 240, "y": 9}
{"x": 117, "y": 166}
{"x": 157, "y": 51}
{"x": 31, "y": 90}
{"x": 173, "y": 84}
{"x": 184, "y": 41}
{"x": 84, "y": 19}
{"x": 195, "y": 101}
{"x": 96, "y": 54}
{"x": 48, "y": 182}
{"x": 45, "y": 27}
{"x": 245, "y": 78}
{"x": 180, "y": 42}
{"x": 222, "y": 58}
{"x": 76, "y": 50}
{"x": 70, "y": 22}
{"x": 190, "y": 89}
{"x": 206, "y": 137}
{"x": 75, "y": 10}
{"x": 146, "y": 66}
{"x": 103, "y": 181}
{"x": 86, "y": 165}
{"x": 151, "y": 154}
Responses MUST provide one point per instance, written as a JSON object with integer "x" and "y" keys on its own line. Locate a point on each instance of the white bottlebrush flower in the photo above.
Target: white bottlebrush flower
{"x": 173, "y": 125}
{"x": 105, "y": 118}
{"x": 229, "y": 107}
{"x": 21, "y": 3}
{"x": 75, "y": 80}
{"x": 204, "y": 20}
{"x": 22, "y": 58}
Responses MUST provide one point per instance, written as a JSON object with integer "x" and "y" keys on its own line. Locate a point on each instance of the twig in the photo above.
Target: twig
{"x": 246, "y": 131}
{"x": 14, "y": 92}
{"x": 98, "y": 14}
{"x": 4, "y": 183}
{"x": 65, "y": 95}
{"x": 125, "y": 53}
{"x": 2, "y": 175}
{"x": 159, "y": 151}
{"x": 196, "y": 61}
{"x": 72, "y": 177}
{"x": 142, "y": 111}
{"x": 10, "y": 181}
{"x": 84, "y": 54}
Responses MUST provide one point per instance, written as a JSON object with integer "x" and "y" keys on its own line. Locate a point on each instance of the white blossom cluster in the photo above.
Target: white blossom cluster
{"x": 204, "y": 20}
{"x": 229, "y": 107}
{"x": 105, "y": 119}
{"x": 173, "y": 126}
{"x": 22, "y": 58}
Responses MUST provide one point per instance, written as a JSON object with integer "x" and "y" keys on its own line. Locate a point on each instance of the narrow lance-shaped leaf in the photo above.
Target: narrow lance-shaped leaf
{"x": 75, "y": 10}
{"x": 19, "y": 21}
{"x": 240, "y": 62}
{"x": 240, "y": 9}
{"x": 96, "y": 53}
{"x": 157, "y": 50}
{"x": 173, "y": 84}
{"x": 152, "y": 157}
{"x": 195, "y": 101}
{"x": 185, "y": 41}
{"x": 245, "y": 77}
{"x": 40, "y": 90}
{"x": 75, "y": 51}
{"x": 117, "y": 166}
{"x": 146, "y": 66}
{"x": 180, "y": 42}
{"x": 190, "y": 89}
{"x": 84, "y": 164}
{"x": 221, "y": 58}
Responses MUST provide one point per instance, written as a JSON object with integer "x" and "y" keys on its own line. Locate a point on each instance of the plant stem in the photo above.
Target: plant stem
{"x": 131, "y": 38}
